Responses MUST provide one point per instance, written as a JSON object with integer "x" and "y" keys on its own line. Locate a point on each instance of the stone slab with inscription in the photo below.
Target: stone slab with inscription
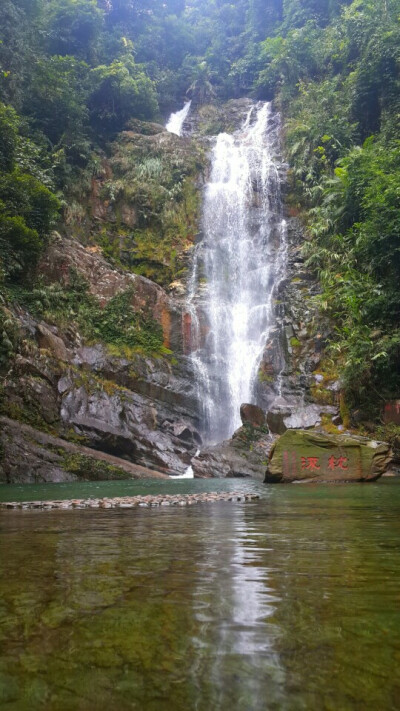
{"x": 304, "y": 456}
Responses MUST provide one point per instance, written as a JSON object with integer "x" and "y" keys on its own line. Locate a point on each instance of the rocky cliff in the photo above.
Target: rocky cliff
{"x": 132, "y": 402}
{"x": 96, "y": 353}
{"x": 92, "y": 348}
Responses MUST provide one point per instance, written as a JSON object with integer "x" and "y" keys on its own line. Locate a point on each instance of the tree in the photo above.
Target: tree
{"x": 20, "y": 247}
{"x": 27, "y": 213}
{"x": 264, "y": 15}
{"x": 201, "y": 89}
{"x": 24, "y": 196}
{"x": 56, "y": 97}
{"x": 8, "y": 137}
{"x": 120, "y": 91}
{"x": 73, "y": 27}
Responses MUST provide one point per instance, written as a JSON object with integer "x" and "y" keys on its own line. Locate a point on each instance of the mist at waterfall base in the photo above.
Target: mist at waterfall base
{"x": 236, "y": 269}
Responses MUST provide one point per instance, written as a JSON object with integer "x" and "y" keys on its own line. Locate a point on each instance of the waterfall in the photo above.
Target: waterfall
{"x": 176, "y": 120}
{"x": 237, "y": 268}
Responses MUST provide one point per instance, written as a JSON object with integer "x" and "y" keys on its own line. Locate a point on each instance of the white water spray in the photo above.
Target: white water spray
{"x": 189, "y": 473}
{"x": 176, "y": 120}
{"x": 241, "y": 261}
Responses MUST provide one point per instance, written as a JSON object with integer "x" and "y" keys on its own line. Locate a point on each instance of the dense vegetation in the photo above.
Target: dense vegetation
{"x": 338, "y": 84}
{"x": 74, "y": 73}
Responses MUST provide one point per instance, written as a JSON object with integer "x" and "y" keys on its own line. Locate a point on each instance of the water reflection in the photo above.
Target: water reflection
{"x": 290, "y": 603}
{"x": 236, "y": 645}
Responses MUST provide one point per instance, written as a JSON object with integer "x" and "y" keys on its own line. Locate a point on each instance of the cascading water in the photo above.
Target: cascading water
{"x": 176, "y": 120}
{"x": 237, "y": 268}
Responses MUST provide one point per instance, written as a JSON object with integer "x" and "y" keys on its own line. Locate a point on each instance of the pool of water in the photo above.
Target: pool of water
{"x": 131, "y": 487}
{"x": 288, "y": 603}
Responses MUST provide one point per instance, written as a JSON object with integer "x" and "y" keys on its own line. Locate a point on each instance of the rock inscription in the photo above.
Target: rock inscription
{"x": 301, "y": 456}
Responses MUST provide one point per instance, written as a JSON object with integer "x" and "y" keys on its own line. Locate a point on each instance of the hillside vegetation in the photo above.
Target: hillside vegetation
{"x": 74, "y": 74}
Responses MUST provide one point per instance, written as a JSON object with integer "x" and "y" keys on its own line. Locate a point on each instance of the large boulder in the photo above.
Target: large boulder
{"x": 245, "y": 455}
{"x": 308, "y": 416}
{"x": 303, "y": 456}
{"x": 284, "y": 416}
{"x": 253, "y": 415}
{"x": 276, "y": 416}
{"x": 51, "y": 342}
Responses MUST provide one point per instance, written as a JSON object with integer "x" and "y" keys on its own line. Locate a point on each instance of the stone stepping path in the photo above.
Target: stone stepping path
{"x": 131, "y": 502}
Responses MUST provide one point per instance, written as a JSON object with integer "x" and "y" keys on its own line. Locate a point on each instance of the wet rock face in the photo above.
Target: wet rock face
{"x": 245, "y": 455}
{"x": 50, "y": 341}
{"x": 124, "y": 423}
{"x": 172, "y": 383}
{"x": 295, "y": 347}
{"x": 301, "y": 456}
{"x": 276, "y": 416}
{"x": 211, "y": 119}
{"x": 24, "y": 459}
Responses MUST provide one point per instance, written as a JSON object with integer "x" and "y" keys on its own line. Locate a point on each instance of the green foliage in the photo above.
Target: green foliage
{"x": 120, "y": 91}
{"x": 335, "y": 69}
{"x": 73, "y": 27}
{"x": 27, "y": 207}
{"x": 154, "y": 178}
{"x": 23, "y": 195}
{"x": 8, "y": 137}
{"x": 389, "y": 433}
{"x": 20, "y": 247}
{"x": 56, "y": 97}
{"x": 9, "y": 337}
{"x": 289, "y": 60}
{"x": 27, "y": 212}
{"x": 17, "y": 23}
{"x": 118, "y": 323}
{"x": 318, "y": 134}
{"x": 356, "y": 229}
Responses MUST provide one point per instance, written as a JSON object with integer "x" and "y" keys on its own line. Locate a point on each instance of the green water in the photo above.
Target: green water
{"x": 291, "y": 602}
{"x": 132, "y": 487}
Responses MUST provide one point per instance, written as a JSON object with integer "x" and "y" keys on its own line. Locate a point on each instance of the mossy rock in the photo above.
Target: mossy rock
{"x": 90, "y": 469}
{"x": 145, "y": 128}
{"x": 301, "y": 456}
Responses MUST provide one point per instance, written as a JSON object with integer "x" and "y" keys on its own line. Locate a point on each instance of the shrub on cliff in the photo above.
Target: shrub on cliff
{"x": 27, "y": 207}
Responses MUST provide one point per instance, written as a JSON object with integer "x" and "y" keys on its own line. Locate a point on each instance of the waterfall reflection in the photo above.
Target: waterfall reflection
{"x": 234, "y": 603}
{"x": 290, "y": 603}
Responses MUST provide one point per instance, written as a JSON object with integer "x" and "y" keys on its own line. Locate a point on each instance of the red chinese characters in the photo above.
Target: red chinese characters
{"x": 337, "y": 463}
{"x": 311, "y": 463}
{"x": 315, "y": 464}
